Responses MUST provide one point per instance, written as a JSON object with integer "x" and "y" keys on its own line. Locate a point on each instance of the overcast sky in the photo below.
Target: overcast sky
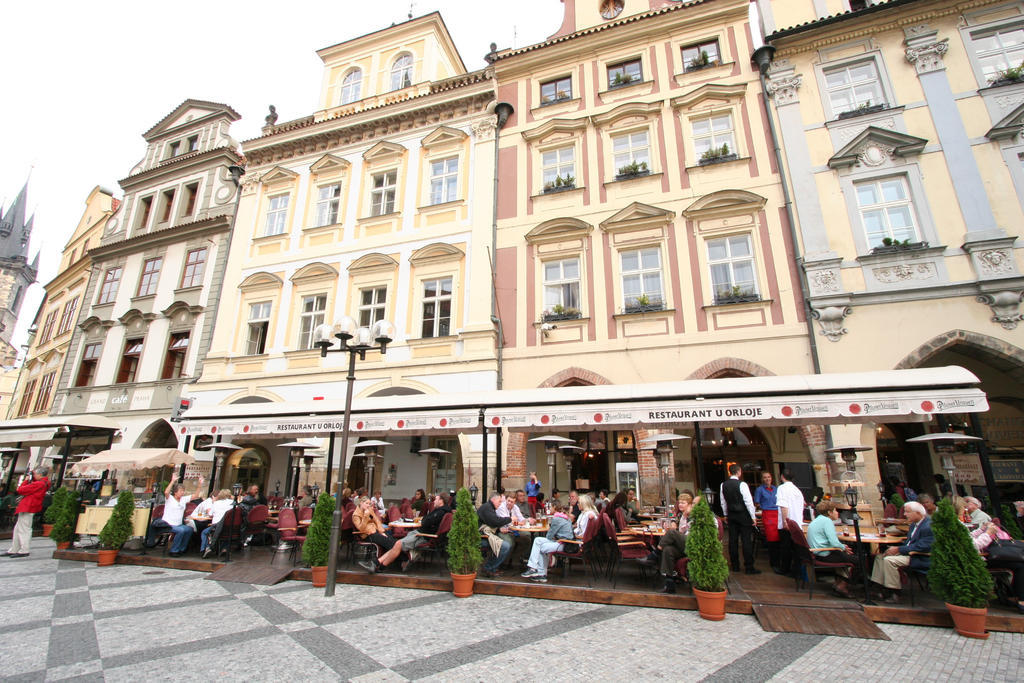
{"x": 83, "y": 81}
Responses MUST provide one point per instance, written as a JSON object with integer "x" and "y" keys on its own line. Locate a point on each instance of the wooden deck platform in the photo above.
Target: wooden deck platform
{"x": 773, "y": 599}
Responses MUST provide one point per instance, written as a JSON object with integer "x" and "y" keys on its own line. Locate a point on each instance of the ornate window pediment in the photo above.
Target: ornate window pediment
{"x": 876, "y": 146}
{"x": 134, "y": 316}
{"x": 438, "y": 251}
{"x": 559, "y": 127}
{"x": 1009, "y": 126}
{"x": 709, "y": 94}
{"x": 725, "y": 203}
{"x": 373, "y": 261}
{"x": 181, "y": 315}
{"x": 261, "y": 281}
{"x": 278, "y": 175}
{"x": 94, "y": 326}
{"x": 558, "y": 229}
{"x": 314, "y": 271}
{"x": 626, "y": 114}
{"x": 329, "y": 163}
{"x": 637, "y": 216}
{"x": 445, "y": 135}
{"x": 383, "y": 150}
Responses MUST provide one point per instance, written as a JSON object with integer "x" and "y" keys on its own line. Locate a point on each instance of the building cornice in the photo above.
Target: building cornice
{"x": 179, "y": 165}
{"x": 174, "y": 233}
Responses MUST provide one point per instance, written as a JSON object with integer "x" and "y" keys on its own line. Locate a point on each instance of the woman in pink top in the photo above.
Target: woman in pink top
{"x": 983, "y": 537}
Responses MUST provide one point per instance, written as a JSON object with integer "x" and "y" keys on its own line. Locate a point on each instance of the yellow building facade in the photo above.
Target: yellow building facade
{"x": 900, "y": 123}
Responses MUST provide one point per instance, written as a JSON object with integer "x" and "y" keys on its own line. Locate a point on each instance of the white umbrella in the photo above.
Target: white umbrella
{"x": 132, "y": 459}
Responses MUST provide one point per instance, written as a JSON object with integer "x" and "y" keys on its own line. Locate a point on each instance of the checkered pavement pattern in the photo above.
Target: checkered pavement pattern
{"x": 64, "y": 620}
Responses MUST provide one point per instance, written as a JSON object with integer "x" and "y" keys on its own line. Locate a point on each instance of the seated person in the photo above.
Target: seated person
{"x": 619, "y": 502}
{"x": 672, "y": 546}
{"x": 515, "y": 512}
{"x": 821, "y": 533}
{"x": 251, "y": 499}
{"x": 523, "y": 504}
{"x": 307, "y": 497}
{"x": 221, "y": 504}
{"x": 173, "y": 519}
{"x": 559, "y": 529}
{"x": 978, "y": 516}
{"x": 574, "y": 504}
{"x": 378, "y": 502}
{"x": 419, "y": 499}
{"x": 602, "y": 499}
{"x": 430, "y": 523}
{"x": 498, "y": 536}
{"x": 632, "y": 505}
{"x": 886, "y": 571}
{"x": 369, "y": 526}
{"x": 983, "y": 537}
{"x": 928, "y": 502}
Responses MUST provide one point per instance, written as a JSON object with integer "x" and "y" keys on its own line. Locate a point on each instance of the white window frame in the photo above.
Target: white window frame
{"x": 712, "y": 138}
{"x": 401, "y": 71}
{"x": 888, "y": 98}
{"x": 554, "y": 84}
{"x": 108, "y": 294}
{"x": 383, "y": 197}
{"x": 633, "y": 151}
{"x": 328, "y": 207}
{"x": 554, "y": 165}
{"x": 971, "y": 34}
{"x": 641, "y": 274}
{"x": 376, "y": 308}
{"x": 310, "y": 319}
{"x": 258, "y": 327}
{"x": 437, "y": 320}
{"x": 697, "y": 48}
{"x": 351, "y": 87}
{"x": 730, "y": 262}
{"x": 444, "y": 180}
{"x": 277, "y": 215}
{"x": 884, "y": 208}
{"x": 556, "y": 289}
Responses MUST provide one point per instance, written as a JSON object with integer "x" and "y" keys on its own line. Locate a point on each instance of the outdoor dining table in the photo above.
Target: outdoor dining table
{"x": 531, "y": 528}
{"x": 873, "y": 540}
{"x": 404, "y": 525}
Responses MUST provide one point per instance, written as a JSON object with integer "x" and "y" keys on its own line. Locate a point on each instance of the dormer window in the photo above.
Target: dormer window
{"x": 193, "y": 143}
{"x": 401, "y": 72}
{"x": 173, "y": 149}
{"x": 351, "y": 86}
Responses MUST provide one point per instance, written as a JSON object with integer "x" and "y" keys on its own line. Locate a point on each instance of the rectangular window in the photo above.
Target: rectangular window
{"x": 67, "y": 316}
{"x": 713, "y": 136}
{"x": 108, "y": 290}
{"x": 259, "y": 325}
{"x": 87, "y": 370}
{"x": 886, "y": 211}
{"x": 437, "y": 307}
{"x": 150, "y": 276}
{"x": 193, "y": 143}
{"x": 852, "y": 87}
{"x": 191, "y": 194}
{"x": 328, "y": 202}
{"x": 26, "y": 398}
{"x": 47, "y": 331}
{"x": 558, "y": 163}
{"x": 641, "y": 277}
{"x": 444, "y": 180}
{"x": 195, "y": 264}
{"x": 174, "y": 361}
{"x": 43, "y": 397}
{"x": 999, "y": 50}
{"x": 698, "y": 56}
{"x": 732, "y": 269}
{"x": 129, "y": 361}
{"x": 313, "y": 309}
{"x": 173, "y": 149}
{"x": 372, "y": 304}
{"x": 277, "y": 213}
{"x": 168, "y": 201}
{"x": 144, "y": 212}
{"x": 382, "y": 198}
{"x": 631, "y": 149}
{"x": 624, "y": 73}
{"x": 562, "y": 286}
{"x": 555, "y": 91}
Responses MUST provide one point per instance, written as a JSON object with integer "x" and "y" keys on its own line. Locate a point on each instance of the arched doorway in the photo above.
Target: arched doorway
{"x": 160, "y": 434}
{"x": 723, "y": 446}
{"x": 247, "y": 466}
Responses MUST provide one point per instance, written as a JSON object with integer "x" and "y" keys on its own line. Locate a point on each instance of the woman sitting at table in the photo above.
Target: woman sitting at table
{"x": 419, "y": 499}
{"x": 821, "y": 533}
{"x": 307, "y": 497}
{"x": 218, "y": 508}
{"x": 378, "y": 502}
{"x": 672, "y": 546}
{"x": 983, "y": 537}
{"x": 559, "y": 529}
{"x": 368, "y": 525}
{"x": 618, "y": 503}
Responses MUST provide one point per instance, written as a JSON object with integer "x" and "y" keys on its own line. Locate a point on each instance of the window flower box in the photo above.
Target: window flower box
{"x": 891, "y": 246}
{"x": 560, "y": 184}
{"x": 867, "y": 108}
{"x": 621, "y": 81}
{"x": 708, "y": 161}
{"x": 633, "y": 170}
{"x": 736, "y": 295}
{"x": 560, "y": 313}
{"x": 644, "y": 304}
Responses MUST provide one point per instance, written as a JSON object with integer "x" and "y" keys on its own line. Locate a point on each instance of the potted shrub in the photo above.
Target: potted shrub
{"x": 707, "y": 567}
{"x": 632, "y": 170}
{"x": 958, "y": 574}
{"x": 1009, "y": 75}
{"x": 318, "y": 539}
{"x": 464, "y": 556}
{"x": 715, "y": 154}
{"x": 117, "y": 530}
{"x": 897, "y": 501}
{"x": 64, "y": 518}
{"x": 56, "y": 501}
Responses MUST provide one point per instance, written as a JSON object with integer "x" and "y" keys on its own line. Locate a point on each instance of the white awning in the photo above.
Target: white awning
{"x": 884, "y": 396}
{"x": 131, "y": 459}
{"x": 42, "y": 431}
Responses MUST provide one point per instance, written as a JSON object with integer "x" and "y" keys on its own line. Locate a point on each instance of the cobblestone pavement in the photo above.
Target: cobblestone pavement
{"x": 62, "y": 620}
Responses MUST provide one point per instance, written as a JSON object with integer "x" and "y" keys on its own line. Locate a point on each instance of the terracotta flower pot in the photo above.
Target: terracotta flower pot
{"x": 969, "y": 621}
{"x": 710, "y": 604}
{"x": 47, "y": 528}
{"x": 105, "y": 558}
{"x": 319, "y": 576}
{"x": 462, "y": 584}
{"x": 64, "y": 546}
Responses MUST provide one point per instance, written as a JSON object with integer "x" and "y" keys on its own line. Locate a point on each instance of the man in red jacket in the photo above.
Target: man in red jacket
{"x": 32, "y": 492}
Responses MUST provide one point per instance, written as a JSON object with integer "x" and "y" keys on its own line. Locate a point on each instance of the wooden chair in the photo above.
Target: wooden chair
{"x": 583, "y": 550}
{"x": 437, "y": 544}
{"x": 805, "y": 554}
{"x": 911, "y": 575}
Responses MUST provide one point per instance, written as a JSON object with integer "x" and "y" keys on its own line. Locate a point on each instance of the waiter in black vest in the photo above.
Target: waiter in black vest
{"x": 738, "y": 508}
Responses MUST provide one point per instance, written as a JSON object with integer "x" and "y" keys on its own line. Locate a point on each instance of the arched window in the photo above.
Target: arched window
{"x": 351, "y": 86}
{"x": 401, "y": 72}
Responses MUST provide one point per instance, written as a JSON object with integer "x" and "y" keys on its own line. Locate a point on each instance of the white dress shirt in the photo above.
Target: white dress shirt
{"x": 788, "y": 496}
{"x": 748, "y": 500}
{"x": 174, "y": 510}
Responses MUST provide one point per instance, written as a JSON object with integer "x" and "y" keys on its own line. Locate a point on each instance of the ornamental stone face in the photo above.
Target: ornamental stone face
{"x": 995, "y": 262}
{"x": 831, "y": 320}
{"x": 485, "y": 127}
{"x": 824, "y": 282}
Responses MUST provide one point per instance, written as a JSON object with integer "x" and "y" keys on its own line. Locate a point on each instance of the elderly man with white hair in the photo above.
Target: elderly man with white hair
{"x": 886, "y": 571}
{"x": 979, "y": 517}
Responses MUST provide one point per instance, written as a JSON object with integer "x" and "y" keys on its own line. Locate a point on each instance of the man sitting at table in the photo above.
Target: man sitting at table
{"x": 821, "y": 533}
{"x": 174, "y": 517}
{"x": 251, "y": 499}
{"x": 428, "y": 525}
{"x": 495, "y": 527}
{"x": 523, "y": 504}
{"x": 216, "y": 511}
{"x": 368, "y": 525}
{"x": 978, "y": 516}
{"x": 886, "y": 571}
